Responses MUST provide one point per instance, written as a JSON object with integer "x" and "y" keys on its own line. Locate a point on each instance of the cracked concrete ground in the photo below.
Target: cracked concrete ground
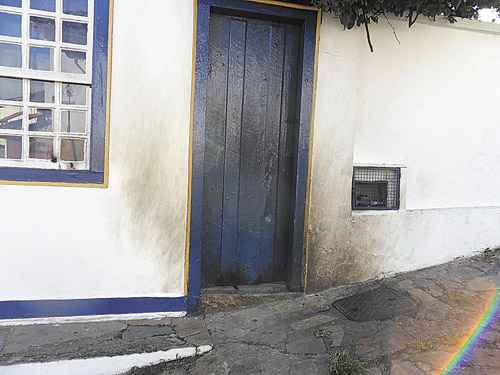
{"x": 297, "y": 336}
{"x": 416, "y": 333}
{"x": 55, "y": 342}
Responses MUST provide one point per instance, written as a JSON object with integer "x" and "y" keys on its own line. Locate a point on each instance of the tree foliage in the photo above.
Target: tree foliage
{"x": 363, "y": 12}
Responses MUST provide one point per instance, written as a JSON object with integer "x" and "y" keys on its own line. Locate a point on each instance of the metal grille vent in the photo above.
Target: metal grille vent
{"x": 376, "y": 188}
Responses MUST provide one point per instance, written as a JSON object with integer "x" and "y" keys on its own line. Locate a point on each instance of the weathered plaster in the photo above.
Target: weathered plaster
{"x": 128, "y": 240}
{"x": 336, "y": 113}
{"x": 150, "y": 151}
{"x": 420, "y": 238}
{"x": 404, "y": 104}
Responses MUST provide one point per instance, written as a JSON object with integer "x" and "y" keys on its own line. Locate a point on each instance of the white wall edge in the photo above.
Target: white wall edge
{"x": 454, "y": 208}
{"x": 379, "y": 165}
{"x": 104, "y": 365}
{"x": 376, "y": 212}
{"x": 91, "y": 318}
{"x": 92, "y": 296}
{"x": 460, "y": 24}
{"x": 419, "y": 210}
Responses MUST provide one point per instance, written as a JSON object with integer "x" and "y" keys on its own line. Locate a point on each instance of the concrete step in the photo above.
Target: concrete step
{"x": 260, "y": 289}
{"x": 224, "y": 298}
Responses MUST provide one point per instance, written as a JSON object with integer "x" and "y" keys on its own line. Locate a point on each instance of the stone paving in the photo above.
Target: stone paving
{"x": 298, "y": 336}
{"x": 55, "y": 342}
{"x": 409, "y": 324}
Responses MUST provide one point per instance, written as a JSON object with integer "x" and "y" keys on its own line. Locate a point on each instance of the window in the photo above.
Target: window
{"x": 49, "y": 87}
{"x": 376, "y": 188}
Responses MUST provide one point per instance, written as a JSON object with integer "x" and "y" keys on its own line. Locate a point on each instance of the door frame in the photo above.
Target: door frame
{"x": 309, "y": 18}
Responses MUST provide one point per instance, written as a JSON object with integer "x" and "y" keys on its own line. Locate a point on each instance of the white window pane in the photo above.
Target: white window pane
{"x": 11, "y": 117}
{"x": 41, "y": 58}
{"x": 72, "y": 149}
{"x": 41, "y": 148}
{"x": 42, "y": 28}
{"x": 11, "y": 89}
{"x": 47, "y": 5}
{"x": 74, "y": 94}
{"x": 73, "y": 61}
{"x": 11, "y": 147}
{"x": 76, "y": 7}
{"x": 52, "y": 36}
{"x": 40, "y": 120}
{"x": 10, "y": 55}
{"x": 11, "y": 3}
{"x": 74, "y": 32}
{"x": 73, "y": 121}
{"x": 42, "y": 91}
{"x": 10, "y": 24}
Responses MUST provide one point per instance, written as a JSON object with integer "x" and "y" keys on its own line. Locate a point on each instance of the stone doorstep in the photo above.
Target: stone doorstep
{"x": 70, "y": 341}
{"x": 121, "y": 364}
{"x": 260, "y": 290}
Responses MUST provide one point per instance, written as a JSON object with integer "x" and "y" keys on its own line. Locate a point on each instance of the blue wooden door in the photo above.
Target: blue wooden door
{"x": 250, "y": 149}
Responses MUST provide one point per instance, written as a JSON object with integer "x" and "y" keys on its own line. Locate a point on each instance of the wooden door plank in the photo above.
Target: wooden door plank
{"x": 250, "y": 149}
{"x": 276, "y": 41}
{"x": 214, "y": 145}
{"x": 288, "y": 148}
{"x": 236, "y": 74}
{"x": 252, "y": 194}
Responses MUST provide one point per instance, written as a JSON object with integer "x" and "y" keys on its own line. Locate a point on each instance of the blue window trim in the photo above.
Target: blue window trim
{"x": 96, "y": 173}
{"x": 91, "y": 306}
{"x": 308, "y": 20}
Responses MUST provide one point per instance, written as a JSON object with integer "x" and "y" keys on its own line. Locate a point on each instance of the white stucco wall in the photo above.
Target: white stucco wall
{"x": 127, "y": 240}
{"x": 429, "y": 103}
{"x": 413, "y": 104}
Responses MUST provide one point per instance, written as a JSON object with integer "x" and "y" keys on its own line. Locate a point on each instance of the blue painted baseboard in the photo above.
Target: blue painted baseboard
{"x": 88, "y": 307}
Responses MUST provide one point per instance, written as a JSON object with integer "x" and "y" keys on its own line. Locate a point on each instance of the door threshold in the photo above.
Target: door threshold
{"x": 225, "y": 298}
{"x": 279, "y": 288}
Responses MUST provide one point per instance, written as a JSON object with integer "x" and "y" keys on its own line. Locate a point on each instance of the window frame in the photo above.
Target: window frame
{"x": 99, "y": 33}
{"x": 58, "y": 45}
{"x": 396, "y": 169}
{"x": 55, "y": 134}
{"x": 4, "y": 144}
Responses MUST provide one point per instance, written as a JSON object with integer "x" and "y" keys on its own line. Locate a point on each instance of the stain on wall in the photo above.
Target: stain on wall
{"x": 154, "y": 206}
{"x": 150, "y": 135}
{"x": 359, "y": 119}
{"x": 128, "y": 240}
{"x": 331, "y": 257}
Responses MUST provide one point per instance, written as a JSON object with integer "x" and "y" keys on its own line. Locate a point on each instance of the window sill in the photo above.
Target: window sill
{"x": 376, "y": 212}
{"x": 382, "y": 165}
{"x": 47, "y": 177}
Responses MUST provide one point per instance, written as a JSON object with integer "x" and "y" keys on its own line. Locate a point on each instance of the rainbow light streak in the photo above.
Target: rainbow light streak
{"x": 467, "y": 344}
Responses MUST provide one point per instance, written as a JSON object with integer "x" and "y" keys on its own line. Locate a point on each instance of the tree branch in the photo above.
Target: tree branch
{"x": 392, "y": 27}
{"x": 367, "y": 29}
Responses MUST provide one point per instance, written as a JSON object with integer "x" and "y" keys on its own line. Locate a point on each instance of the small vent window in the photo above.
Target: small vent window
{"x": 376, "y": 188}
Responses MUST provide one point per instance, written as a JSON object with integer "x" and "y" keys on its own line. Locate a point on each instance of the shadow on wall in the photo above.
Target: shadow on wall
{"x": 337, "y": 263}
{"x": 351, "y": 248}
{"x": 154, "y": 192}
